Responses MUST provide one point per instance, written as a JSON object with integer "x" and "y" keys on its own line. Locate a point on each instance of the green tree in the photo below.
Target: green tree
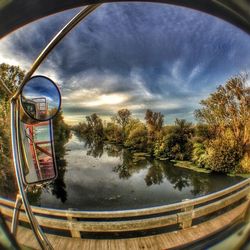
{"x": 176, "y": 144}
{"x": 122, "y": 118}
{"x": 203, "y": 133}
{"x": 199, "y": 154}
{"x": 81, "y": 128}
{"x": 137, "y": 136}
{"x": 154, "y": 123}
{"x": 113, "y": 133}
{"x": 95, "y": 126}
{"x": 11, "y": 77}
{"x": 62, "y": 133}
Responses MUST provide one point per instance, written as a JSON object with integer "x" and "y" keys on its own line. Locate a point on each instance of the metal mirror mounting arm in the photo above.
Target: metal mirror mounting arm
{"x": 16, "y": 150}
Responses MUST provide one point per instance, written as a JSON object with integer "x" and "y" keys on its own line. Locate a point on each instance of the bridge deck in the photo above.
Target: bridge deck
{"x": 161, "y": 241}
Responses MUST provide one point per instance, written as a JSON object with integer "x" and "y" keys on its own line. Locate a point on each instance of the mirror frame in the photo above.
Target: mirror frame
{"x": 59, "y": 93}
{"x": 24, "y": 158}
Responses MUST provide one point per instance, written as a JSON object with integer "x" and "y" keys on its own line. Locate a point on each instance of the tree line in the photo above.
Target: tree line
{"x": 218, "y": 141}
{"x": 12, "y": 76}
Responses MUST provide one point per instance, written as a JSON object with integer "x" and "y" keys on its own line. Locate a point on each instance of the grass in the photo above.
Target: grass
{"x": 246, "y": 176}
{"x": 190, "y": 165}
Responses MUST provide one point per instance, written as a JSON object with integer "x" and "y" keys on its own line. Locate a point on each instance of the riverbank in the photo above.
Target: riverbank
{"x": 246, "y": 176}
{"x": 137, "y": 156}
{"x": 111, "y": 179}
{"x": 191, "y": 166}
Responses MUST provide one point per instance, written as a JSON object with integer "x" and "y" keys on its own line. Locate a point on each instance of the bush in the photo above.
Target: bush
{"x": 137, "y": 137}
{"x": 173, "y": 146}
{"x": 113, "y": 133}
{"x": 199, "y": 154}
{"x": 223, "y": 156}
{"x": 245, "y": 164}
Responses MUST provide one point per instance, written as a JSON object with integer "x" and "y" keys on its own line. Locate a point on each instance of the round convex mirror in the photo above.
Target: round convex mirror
{"x": 41, "y": 98}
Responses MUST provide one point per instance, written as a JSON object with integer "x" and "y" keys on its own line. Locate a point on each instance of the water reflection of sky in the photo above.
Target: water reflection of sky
{"x": 93, "y": 184}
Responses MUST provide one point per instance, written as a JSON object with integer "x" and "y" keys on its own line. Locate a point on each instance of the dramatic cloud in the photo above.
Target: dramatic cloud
{"x": 134, "y": 56}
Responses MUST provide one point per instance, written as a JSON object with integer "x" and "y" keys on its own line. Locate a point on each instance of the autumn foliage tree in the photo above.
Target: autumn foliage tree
{"x": 227, "y": 111}
{"x": 154, "y": 123}
{"x": 229, "y": 108}
{"x": 95, "y": 126}
{"x": 122, "y": 119}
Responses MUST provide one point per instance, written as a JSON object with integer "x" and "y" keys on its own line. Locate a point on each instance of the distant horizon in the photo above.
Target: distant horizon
{"x": 107, "y": 119}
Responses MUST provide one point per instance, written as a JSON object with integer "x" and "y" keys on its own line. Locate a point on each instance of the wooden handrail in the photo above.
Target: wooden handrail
{"x": 132, "y": 212}
{"x": 184, "y": 213}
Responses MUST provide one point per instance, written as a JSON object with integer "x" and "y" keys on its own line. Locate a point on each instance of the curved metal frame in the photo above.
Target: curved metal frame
{"x": 60, "y": 101}
{"x": 53, "y": 156}
{"x": 15, "y": 103}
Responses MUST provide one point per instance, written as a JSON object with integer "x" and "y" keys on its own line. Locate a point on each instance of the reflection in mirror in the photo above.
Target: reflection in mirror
{"x": 37, "y": 146}
{"x": 41, "y": 98}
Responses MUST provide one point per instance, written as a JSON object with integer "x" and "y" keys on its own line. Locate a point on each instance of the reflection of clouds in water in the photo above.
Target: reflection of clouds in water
{"x": 91, "y": 183}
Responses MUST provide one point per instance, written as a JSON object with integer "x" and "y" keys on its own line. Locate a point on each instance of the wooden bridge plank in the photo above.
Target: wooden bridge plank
{"x": 140, "y": 224}
{"x": 131, "y": 225}
{"x": 162, "y": 241}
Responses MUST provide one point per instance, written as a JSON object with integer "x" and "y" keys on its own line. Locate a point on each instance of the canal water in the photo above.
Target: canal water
{"x": 100, "y": 177}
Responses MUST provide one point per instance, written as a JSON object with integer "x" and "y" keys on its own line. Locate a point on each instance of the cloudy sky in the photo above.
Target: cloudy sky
{"x": 134, "y": 56}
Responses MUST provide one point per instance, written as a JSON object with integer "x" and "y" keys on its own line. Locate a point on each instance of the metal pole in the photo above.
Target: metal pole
{"x": 17, "y": 207}
{"x": 41, "y": 237}
{"x": 56, "y": 39}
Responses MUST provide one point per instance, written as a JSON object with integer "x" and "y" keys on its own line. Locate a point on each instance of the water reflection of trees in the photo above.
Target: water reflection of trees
{"x": 154, "y": 175}
{"x": 157, "y": 171}
{"x": 114, "y": 150}
{"x": 124, "y": 169}
{"x": 128, "y": 166}
{"x": 95, "y": 149}
{"x": 180, "y": 178}
{"x": 176, "y": 176}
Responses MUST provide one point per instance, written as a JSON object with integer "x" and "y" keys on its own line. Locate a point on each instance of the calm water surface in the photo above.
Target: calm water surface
{"x": 106, "y": 177}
